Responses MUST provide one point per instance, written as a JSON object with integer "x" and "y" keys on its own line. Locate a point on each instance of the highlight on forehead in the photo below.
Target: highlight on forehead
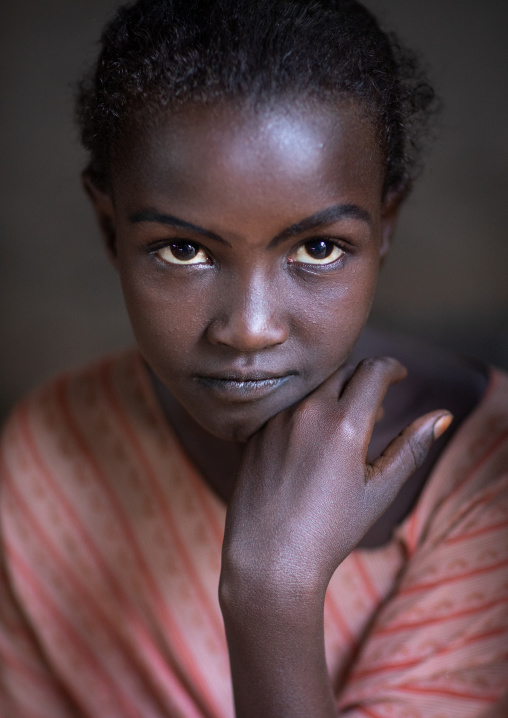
{"x": 298, "y": 133}
{"x": 158, "y": 54}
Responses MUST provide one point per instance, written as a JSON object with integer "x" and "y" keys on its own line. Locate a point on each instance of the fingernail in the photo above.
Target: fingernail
{"x": 442, "y": 424}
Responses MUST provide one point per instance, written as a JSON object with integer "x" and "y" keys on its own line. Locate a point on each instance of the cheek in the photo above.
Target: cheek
{"x": 165, "y": 317}
{"x": 170, "y": 313}
{"x": 339, "y": 307}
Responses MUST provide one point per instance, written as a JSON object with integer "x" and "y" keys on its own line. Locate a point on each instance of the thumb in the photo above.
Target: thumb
{"x": 407, "y": 452}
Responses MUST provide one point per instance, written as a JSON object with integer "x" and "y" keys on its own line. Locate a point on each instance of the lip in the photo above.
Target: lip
{"x": 244, "y": 387}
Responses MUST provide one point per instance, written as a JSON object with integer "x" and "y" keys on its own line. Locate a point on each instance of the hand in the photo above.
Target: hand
{"x": 305, "y": 496}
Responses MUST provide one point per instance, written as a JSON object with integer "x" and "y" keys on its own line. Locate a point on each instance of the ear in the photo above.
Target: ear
{"x": 389, "y": 216}
{"x": 105, "y": 213}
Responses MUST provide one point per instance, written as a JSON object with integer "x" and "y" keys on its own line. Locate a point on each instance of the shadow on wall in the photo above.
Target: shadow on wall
{"x": 445, "y": 279}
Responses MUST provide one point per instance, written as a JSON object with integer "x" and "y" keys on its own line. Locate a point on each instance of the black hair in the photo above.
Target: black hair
{"x": 159, "y": 54}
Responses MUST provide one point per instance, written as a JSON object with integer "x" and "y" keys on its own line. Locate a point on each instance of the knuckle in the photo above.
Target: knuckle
{"x": 417, "y": 452}
{"x": 347, "y": 428}
{"x": 312, "y": 416}
{"x": 369, "y": 363}
{"x": 307, "y": 412}
{"x": 379, "y": 365}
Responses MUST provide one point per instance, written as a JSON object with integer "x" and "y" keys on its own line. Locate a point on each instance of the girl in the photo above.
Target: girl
{"x": 248, "y": 161}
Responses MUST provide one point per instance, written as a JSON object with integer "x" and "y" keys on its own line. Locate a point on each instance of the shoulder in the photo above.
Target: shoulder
{"x": 464, "y": 505}
{"x": 474, "y": 467}
{"x": 71, "y": 403}
{"x": 441, "y": 637}
{"x": 86, "y": 441}
{"x": 78, "y": 458}
{"x": 74, "y": 427}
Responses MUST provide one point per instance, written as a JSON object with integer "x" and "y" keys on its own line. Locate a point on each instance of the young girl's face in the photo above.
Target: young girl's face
{"x": 248, "y": 245}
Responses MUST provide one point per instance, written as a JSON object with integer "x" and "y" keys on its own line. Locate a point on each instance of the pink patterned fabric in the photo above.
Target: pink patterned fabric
{"x": 110, "y": 557}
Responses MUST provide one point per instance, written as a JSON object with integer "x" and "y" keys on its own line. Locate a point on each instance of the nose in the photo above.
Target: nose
{"x": 251, "y": 316}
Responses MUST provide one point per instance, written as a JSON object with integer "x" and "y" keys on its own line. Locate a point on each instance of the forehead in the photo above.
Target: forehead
{"x": 281, "y": 155}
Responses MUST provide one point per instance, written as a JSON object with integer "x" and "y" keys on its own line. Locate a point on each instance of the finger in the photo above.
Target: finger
{"x": 333, "y": 387}
{"x": 323, "y": 399}
{"x": 364, "y": 393}
{"x": 407, "y": 452}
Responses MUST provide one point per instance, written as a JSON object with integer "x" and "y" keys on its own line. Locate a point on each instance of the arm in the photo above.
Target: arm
{"x": 303, "y": 499}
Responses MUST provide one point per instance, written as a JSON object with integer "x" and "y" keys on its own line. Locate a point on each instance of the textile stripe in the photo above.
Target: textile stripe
{"x": 448, "y": 693}
{"x": 420, "y": 507}
{"x": 100, "y": 673}
{"x": 339, "y": 620}
{"x": 17, "y": 665}
{"x": 366, "y": 579}
{"x": 439, "y": 619}
{"x": 387, "y": 667}
{"x": 368, "y": 712}
{"x": 150, "y": 473}
{"x": 86, "y": 598}
{"x": 198, "y": 481}
{"x": 180, "y": 688}
{"x": 496, "y": 444}
{"x": 173, "y": 630}
{"x": 474, "y": 534}
{"x": 452, "y": 579}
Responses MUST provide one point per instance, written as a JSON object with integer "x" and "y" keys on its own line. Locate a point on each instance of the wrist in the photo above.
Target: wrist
{"x": 270, "y": 595}
{"x": 275, "y": 640}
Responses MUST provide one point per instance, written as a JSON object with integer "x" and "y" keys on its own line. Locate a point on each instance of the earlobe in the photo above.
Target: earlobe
{"x": 104, "y": 212}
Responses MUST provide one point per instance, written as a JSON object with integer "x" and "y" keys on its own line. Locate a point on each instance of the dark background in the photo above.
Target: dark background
{"x": 446, "y": 278}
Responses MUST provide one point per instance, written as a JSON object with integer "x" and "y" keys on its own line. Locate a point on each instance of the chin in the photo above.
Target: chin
{"x": 234, "y": 431}
{"x": 226, "y": 425}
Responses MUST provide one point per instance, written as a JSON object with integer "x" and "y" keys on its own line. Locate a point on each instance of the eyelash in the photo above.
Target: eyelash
{"x": 156, "y": 247}
{"x": 318, "y": 266}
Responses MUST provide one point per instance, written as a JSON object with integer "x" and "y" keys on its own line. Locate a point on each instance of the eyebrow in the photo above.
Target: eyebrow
{"x": 151, "y": 215}
{"x": 322, "y": 218}
{"x": 319, "y": 219}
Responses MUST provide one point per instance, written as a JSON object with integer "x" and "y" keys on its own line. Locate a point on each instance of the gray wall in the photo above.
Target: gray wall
{"x": 446, "y": 278}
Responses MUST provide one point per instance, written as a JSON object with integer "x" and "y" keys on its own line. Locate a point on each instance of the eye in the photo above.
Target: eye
{"x": 317, "y": 251}
{"x": 183, "y": 252}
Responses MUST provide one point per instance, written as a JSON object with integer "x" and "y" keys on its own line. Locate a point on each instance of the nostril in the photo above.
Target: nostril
{"x": 247, "y": 333}
{"x": 251, "y": 315}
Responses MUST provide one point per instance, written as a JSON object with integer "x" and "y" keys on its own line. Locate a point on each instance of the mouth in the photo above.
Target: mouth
{"x": 236, "y": 387}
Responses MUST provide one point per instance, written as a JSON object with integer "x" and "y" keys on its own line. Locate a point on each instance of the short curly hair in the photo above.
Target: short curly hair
{"x": 160, "y": 54}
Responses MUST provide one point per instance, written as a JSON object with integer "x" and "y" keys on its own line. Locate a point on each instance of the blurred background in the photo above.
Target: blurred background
{"x": 446, "y": 278}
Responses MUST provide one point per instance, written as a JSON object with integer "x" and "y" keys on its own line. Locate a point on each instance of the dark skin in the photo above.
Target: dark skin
{"x": 248, "y": 246}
